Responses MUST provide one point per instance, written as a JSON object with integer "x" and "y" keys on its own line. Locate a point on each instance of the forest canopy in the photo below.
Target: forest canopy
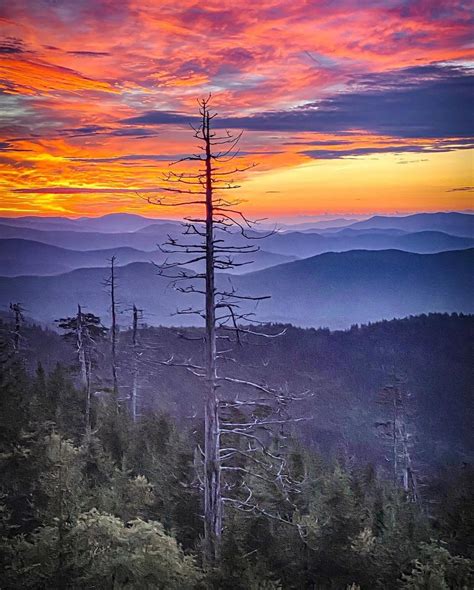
{"x": 130, "y": 494}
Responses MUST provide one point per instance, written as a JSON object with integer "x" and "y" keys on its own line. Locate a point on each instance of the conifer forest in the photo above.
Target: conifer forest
{"x": 236, "y": 295}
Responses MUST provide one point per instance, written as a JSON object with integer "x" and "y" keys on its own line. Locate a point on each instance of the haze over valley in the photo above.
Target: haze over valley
{"x": 331, "y": 277}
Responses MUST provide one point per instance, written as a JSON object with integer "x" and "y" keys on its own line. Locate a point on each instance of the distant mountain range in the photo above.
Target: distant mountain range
{"x": 381, "y": 267}
{"x": 305, "y": 244}
{"x": 30, "y": 258}
{"x": 340, "y": 289}
{"x": 88, "y": 240}
{"x": 332, "y": 289}
{"x": 457, "y": 224}
{"x": 337, "y": 222}
{"x": 26, "y": 257}
{"x": 111, "y": 223}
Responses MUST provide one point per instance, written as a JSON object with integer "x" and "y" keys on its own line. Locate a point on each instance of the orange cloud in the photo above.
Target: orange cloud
{"x": 20, "y": 76}
{"x": 71, "y": 73}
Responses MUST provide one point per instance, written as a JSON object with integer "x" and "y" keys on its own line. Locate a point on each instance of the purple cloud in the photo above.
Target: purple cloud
{"x": 432, "y": 102}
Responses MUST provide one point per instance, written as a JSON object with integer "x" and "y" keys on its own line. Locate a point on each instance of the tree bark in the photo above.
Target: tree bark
{"x": 133, "y": 400}
{"x": 114, "y": 328}
{"x": 18, "y": 312}
{"x": 85, "y": 378}
{"x": 212, "y": 469}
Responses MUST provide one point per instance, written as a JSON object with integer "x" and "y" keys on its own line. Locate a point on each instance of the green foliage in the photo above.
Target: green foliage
{"x": 99, "y": 551}
{"x": 123, "y": 508}
{"x": 14, "y": 399}
{"x": 91, "y": 325}
{"x": 453, "y": 513}
{"x": 56, "y": 399}
{"x": 436, "y": 569}
{"x": 60, "y": 491}
{"x": 139, "y": 555}
{"x": 126, "y": 496}
{"x": 165, "y": 457}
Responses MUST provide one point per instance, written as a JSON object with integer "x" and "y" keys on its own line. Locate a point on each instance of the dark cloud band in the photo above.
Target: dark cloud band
{"x": 430, "y": 102}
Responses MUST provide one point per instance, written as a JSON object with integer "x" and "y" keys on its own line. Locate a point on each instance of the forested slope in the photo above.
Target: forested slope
{"x": 122, "y": 508}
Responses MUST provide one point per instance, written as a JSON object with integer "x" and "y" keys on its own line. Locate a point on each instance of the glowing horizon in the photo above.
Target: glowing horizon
{"x": 349, "y": 110}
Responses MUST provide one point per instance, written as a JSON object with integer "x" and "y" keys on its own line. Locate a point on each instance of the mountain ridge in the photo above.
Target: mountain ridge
{"x": 332, "y": 290}
{"x": 454, "y": 222}
{"x": 20, "y": 257}
{"x": 299, "y": 244}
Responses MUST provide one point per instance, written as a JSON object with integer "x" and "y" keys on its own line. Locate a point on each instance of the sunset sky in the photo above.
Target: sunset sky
{"x": 349, "y": 107}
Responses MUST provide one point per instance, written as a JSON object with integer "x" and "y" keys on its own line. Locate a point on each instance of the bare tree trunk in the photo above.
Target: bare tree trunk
{"x": 88, "y": 398}
{"x": 409, "y": 479}
{"x": 403, "y": 472}
{"x": 60, "y": 521}
{"x": 80, "y": 347}
{"x": 114, "y": 328}
{"x": 85, "y": 377}
{"x": 18, "y": 312}
{"x": 212, "y": 469}
{"x": 223, "y": 311}
{"x": 133, "y": 400}
{"x": 395, "y": 438}
{"x": 17, "y": 329}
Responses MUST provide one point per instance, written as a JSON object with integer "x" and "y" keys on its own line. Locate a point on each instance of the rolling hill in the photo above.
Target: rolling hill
{"x": 340, "y": 289}
{"x": 305, "y": 244}
{"x": 111, "y": 223}
{"x": 458, "y": 224}
{"x": 346, "y": 370}
{"x": 25, "y": 257}
{"x": 89, "y": 240}
{"x": 292, "y": 244}
{"x": 334, "y": 289}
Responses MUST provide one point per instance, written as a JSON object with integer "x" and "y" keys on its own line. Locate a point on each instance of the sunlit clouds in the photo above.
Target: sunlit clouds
{"x": 347, "y": 106}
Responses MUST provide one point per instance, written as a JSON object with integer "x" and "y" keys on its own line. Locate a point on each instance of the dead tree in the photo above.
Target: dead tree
{"x": 397, "y": 436}
{"x": 212, "y": 238}
{"x": 84, "y": 329}
{"x": 136, "y": 357}
{"x": 84, "y": 365}
{"x": 111, "y": 284}
{"x": 17, "y": 310}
